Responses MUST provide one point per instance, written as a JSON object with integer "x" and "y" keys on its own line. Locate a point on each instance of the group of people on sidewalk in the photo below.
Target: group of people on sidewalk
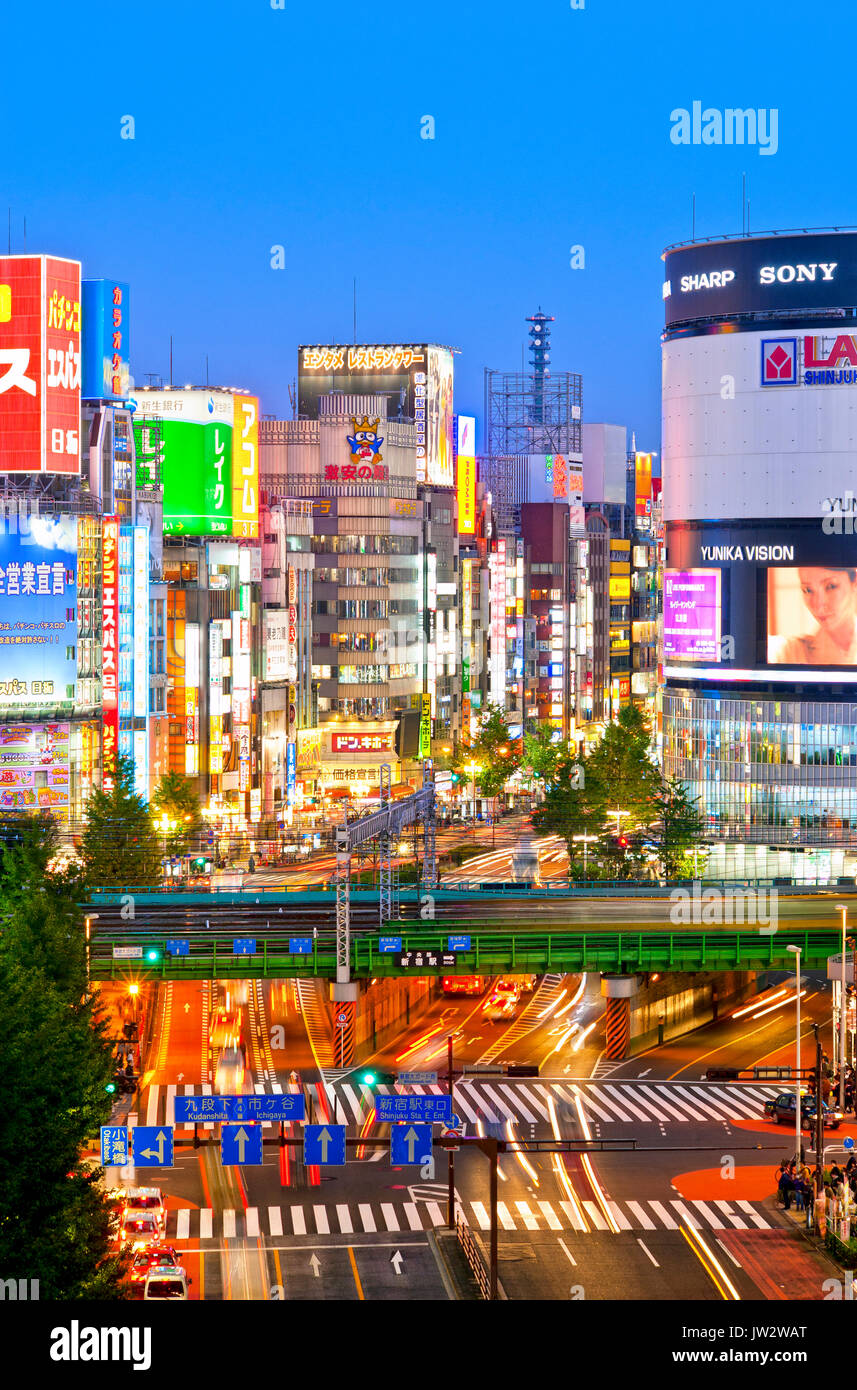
{"x": 834, "y": 1190}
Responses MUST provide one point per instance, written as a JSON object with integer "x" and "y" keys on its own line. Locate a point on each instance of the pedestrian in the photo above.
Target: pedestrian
{"x": 785, "y": 1185}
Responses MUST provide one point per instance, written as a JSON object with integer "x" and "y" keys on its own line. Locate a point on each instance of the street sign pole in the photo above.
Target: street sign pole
{"x": 450, "y": 1204}
{"x": 494, "y": 1158}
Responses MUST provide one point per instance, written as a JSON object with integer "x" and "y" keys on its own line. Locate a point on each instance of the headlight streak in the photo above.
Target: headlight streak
{"x": 590, "y": 1171}
{"x": 708, "y": 1259}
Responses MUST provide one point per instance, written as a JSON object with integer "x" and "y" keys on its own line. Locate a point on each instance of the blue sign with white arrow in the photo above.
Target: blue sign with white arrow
{"x": 300, "y": 945}
{"x": 458, "y": 943}
{"x": 241, "y": 1144}
{"x": 431, "y": 1109}
{"x": 324, "y": 1145}
{"x": 846, "y": 1143}
{"x": 410, "y": 1144}
{"x": 114, "y": 1146}
{"x": 152, "y": 1146}
{"x": 389, "y": 944}
{"x": 175, "y": 947}
{"x": 244, "y": 946}
{"x": 200, "y": 1110}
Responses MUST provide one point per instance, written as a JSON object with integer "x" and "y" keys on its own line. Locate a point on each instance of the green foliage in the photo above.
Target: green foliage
{"x": 55, "y": 1221}
{"x": 618, "y": 774}
{"x": 176, "y": 799}
{"x": 542, "y": 756}
{"x": 119, "y": 844}
{"x": 497, "y": 755}
{"x": 677, "y": 827}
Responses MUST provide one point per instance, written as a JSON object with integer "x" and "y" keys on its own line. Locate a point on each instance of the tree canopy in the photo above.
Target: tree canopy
{"x": 175, "y": 797}
{"x": 119, "y": 844}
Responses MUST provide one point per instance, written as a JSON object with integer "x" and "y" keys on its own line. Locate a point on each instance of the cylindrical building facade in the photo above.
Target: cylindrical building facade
{"x": 760, "y": 582}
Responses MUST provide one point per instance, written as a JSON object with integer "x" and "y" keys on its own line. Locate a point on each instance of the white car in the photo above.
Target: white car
{"x": 166, "y": 1283}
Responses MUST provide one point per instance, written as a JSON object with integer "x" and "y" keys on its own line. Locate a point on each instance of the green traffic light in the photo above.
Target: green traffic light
{"x": 152, "y": 955}
{"x": 110, "y": 1088}
{"x": 369, "y": 1078}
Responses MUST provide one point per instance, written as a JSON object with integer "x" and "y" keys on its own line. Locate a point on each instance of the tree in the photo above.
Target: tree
{"x": 497, "y": 755}
{"x": 176, "y": 799}
{"x": 119, "y": 844}
{"x": 55, "y": 1220}
{"x": 575, "y": 804}
{"x": 542, "y": 755}
{"x": 623, "y": 764}
{"x": 677, "y": 826}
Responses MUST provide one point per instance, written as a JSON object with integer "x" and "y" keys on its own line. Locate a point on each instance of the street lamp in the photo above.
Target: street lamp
{"x": 796, "y": 950}
{"x": 88, "y": 920}
{"x": 586, "y": 840}
{"x": 840, "y": 907}
{"x": 618, "y": 815}
{"x": 473, "y": 768}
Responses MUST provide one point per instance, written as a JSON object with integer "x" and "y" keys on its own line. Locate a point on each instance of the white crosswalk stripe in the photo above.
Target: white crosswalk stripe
{"x": 275, "y": 1221}
{"x": 183, "y": 1224}
{"x": 253, "y": 1221}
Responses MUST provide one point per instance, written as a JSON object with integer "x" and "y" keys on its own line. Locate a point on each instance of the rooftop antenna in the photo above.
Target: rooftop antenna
{"x": 10, "y": 231}
{"x": 171, "y": 359}
{"x": 743, "y": 202}
{"x": 354, "y": 306}
{"x": 693, "y": 218}
{"x": 206, "y": 371}
{"x": 25, "y": 235}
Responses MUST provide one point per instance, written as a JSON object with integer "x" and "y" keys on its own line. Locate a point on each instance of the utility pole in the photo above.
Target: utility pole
{"x": 819, "y": 1114}
{"x": 450, "y": 1203}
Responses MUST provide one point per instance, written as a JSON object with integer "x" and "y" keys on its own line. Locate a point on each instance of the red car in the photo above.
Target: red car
{"x": 149, "y": 1257}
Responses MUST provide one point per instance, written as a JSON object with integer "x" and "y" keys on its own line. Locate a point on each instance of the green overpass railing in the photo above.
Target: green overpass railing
{"x": 528, "y": 951}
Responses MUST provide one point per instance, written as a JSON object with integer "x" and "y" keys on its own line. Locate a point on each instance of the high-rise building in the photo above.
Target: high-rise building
{"x": 760, "y": 588}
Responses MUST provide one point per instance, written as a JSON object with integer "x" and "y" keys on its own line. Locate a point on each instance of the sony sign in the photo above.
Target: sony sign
{"x": 785, "y": 274}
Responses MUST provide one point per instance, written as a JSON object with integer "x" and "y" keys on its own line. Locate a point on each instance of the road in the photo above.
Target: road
{"x": 687, "y": 1215}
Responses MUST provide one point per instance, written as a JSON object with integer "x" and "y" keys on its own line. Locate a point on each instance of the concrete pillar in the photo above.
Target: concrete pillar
{"x": 345, "y": 996}
{"x": 618, "y": 990}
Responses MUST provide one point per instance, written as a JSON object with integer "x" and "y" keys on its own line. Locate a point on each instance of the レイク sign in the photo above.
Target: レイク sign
{"x": 109, "y": 649}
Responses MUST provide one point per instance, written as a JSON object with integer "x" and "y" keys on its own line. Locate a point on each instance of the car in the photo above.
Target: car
{"x": 146, "y": 1257}
{"x": 503, "y": 1001}
{"x": 782, "y": 1109}
{"x": 230, "y": 1072}
{"x": 144, "y": 1215}
{"x": 224, "y": 1029}
{"x": 463, "y": 984}
{"x": 166, "y": 1282}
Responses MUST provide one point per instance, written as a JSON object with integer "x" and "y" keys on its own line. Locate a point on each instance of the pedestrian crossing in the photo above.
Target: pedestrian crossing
{"x": 358, "y": 1218}
{"x": 499, "y": 1100}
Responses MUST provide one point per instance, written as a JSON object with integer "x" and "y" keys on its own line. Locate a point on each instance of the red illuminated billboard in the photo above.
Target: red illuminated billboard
{"x": 39, "y": 365}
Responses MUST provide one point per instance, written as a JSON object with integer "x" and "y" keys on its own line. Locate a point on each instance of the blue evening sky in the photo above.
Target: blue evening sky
{"x": 301, "y": 127}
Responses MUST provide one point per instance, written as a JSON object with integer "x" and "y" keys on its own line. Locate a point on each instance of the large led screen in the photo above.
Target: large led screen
{"x": 812, "y": 616}
{"x": 692, "y": 615}
{"x": 38, "y": 617}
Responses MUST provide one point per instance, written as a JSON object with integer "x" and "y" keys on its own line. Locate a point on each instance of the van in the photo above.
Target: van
{"x": 166, "y": 1283}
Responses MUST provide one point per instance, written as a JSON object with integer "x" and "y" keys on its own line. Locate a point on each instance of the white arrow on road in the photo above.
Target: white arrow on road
{"x": 181, "y": 1076}
{"x": 157, "y": 1153}
{"x": 315, "y": 1264}
{"x": 241, "y": 1140}
{"x": 187, "y": 1008}
{"x": 396, "y": 1261}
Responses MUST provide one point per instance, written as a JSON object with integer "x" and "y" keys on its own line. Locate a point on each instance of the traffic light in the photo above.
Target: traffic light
{"x": 623, "y": 841}
{"x": 456, "y": 777}
{"x": 373, "y": 1077}
{"x": 110, "y": 1088}
{"x": 153, "y": 955}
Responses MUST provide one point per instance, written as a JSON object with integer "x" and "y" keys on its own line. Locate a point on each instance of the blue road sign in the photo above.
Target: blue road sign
{"x": 388, "y": 944}
{"x": 324, "y": 1145}
{"x": 410, "y": 1144}
{"x": 176, "y": 947}
{"x": 458, "y": 943}
{"x": 114, "y": 1146}
{"x": 846, "y": 1143}
{"x": 433, "y": 1109}
{"x": 300, "y": 945}
{"x": 244, "y": 946}
{"x": 241, "y": 1144}
{"x": 239, "y": 1109}
{"x": 152, "y": 1146}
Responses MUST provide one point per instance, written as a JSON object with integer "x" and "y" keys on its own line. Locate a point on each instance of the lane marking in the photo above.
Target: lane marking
{"x": 567, "y": 1252}
{"x": 358, "y": 1285}
{"x": 643, "y": 1246}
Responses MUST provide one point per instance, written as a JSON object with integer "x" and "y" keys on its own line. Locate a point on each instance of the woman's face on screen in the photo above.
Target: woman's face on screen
{"x": 828, "y": 594}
